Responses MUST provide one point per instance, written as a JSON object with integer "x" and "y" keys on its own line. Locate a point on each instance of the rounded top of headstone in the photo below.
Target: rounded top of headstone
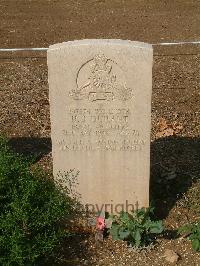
{"x": 101, "y": 42}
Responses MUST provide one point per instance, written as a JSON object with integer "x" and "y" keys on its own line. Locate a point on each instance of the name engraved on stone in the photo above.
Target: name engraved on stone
{"x": 103, "y": 120}
{"x": 104, "y": 81}
{"x": 113, "y": 125}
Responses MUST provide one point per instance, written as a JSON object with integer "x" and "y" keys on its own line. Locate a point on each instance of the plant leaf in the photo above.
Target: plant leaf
{"x": 123, "y": 234}
{"x": 124, "y": 217}
{"x": 114, "y": 231}
{"x": 196, "y": 244}
{"x": 137, "y": 238}
{"x": 185, "y": 229}
{"x": 108, "y": 222}
{"x": 156, "y": 227}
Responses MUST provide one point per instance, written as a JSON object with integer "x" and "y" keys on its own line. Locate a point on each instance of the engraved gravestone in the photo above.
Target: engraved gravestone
{"x": 100, "y": 105}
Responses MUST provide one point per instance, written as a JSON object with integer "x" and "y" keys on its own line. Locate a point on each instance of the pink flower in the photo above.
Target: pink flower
{"x": 100, "y": 223}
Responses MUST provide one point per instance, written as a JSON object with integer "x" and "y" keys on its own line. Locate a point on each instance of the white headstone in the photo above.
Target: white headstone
{"x": 100, "y": 105}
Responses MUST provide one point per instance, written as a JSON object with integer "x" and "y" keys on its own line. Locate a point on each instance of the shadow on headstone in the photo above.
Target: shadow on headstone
{"x": 175, "y": 164}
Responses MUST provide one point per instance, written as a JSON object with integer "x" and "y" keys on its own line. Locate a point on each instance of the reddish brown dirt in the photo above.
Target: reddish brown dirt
{"x": 24, "y": 116}
{"x": 40, "y": 23}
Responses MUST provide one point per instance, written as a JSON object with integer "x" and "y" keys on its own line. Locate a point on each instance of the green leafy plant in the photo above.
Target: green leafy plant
{"x": 193, "y": 233}
{"x": 137, "y": 228}
{"x": 33, "y": 211}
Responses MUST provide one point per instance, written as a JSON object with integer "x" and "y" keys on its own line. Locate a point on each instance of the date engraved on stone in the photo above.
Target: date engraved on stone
{"x": 101, "y": 145}
{"x": 101, "y": 79}
{"x": 99, "y": 121}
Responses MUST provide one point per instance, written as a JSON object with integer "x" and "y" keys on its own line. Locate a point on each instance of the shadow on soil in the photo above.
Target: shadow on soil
{"x": 75, "y": 251}
{"x": 34, "y": 147}
{"x": 175, "y": 165}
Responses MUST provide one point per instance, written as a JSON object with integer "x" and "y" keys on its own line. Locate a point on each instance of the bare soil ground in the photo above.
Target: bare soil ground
{"x": 175, "y": 148}
{"x": 40, "y": 23}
